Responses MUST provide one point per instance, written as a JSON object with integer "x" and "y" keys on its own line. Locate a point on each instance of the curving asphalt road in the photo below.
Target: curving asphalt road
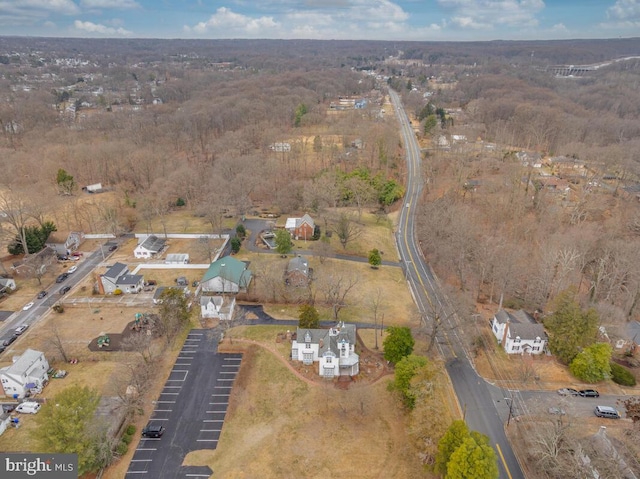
{"x": 479, "y": 400}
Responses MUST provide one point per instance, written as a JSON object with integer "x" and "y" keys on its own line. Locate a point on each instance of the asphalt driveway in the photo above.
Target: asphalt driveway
{"x": 192, "y": 407}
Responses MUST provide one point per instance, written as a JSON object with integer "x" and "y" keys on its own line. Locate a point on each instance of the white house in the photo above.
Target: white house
{"x": 65, "y": 243}
{"x": 149, "y": 247}
{"x": 5, "y": 420}
{"x": 27, "y": 373}
{"x": 217, "y": 307}
{"x": 518, "y": 333}
{"x": 333, "y": 349}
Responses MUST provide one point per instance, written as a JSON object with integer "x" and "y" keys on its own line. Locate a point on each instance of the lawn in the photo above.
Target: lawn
{"x": 289, "y": 428}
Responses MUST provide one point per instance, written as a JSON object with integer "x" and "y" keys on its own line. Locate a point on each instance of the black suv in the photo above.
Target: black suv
{"x": 589, "y": 393}
{"x": 8, "y": 340}
{"x": 153, "y": 430}
{"x": 62, "y": 277}
{"x": 65, "y": 289}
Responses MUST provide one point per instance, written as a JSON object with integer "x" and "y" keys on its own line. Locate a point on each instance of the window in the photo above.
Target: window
{"x": 307, "y": 346}
{"x": 517, "y": 340}
{"x": 329, "y": 359}
{"x": 495, "y": 327}
{"x": 307, "y": 358}
{"x": 536, "y": 348}
{"x": 515, "y": 347}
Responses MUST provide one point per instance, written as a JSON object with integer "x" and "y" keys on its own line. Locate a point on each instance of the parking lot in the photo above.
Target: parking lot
{"x": 191, "y": 407}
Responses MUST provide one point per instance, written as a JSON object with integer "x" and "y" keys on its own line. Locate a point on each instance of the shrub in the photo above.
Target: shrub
{"x": 126, "y": 439}
{"x": 235, "y": 244}
{"x": 241, "y": 231}
{"x": 131, "y": 430}
{"x": 122, "y": 448}
{"x": 621, "y": 375}
{"x": 117, "y": 292}
{"x": 58, "y": 308}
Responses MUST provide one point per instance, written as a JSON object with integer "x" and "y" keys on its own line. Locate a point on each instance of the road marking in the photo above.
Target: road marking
{"x": 136, "y": 472}
{"x": 141, "y": 460}
{"x": 206, "y": 440}
{"x": 213, "y": 420}
{"x": 504, "y": 463}
{"x": 222, "y": 379}
{"x": 233, "y": 359}
{"x": 198, "y": 475}
{"x": 162, "y": 410}
{"x": 218, "y": 403}
{"x": 170, "y": 394}
{"x": 165, "y": 402}
{"x": 173, "y": 387}
{"x": 210, "y": 430}
{"x": 222, "y": 387}
{"x": 216, "y": 412}
{"x": 146, "y": 449}
{"x": 160, "y": 419}
{"x": 223, "y": 395}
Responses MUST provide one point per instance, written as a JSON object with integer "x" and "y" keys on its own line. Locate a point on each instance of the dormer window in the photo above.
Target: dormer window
{"x": 517, "y": 340}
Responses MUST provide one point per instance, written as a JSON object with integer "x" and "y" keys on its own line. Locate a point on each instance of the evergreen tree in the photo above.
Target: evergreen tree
{"x": 398, "y": 344}
{"x": 308, "y": 316}
{"x": 473, "y": 459}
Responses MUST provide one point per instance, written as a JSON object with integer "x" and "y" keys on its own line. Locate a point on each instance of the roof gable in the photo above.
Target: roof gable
{"x": 24, "y": 363}
{"x": 153, "y": 243}
{"x": 229, "y": 269}
{"x": 117, "y": 270}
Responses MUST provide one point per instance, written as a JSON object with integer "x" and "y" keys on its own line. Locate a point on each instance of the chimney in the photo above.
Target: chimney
{"x": 506, "y": 330}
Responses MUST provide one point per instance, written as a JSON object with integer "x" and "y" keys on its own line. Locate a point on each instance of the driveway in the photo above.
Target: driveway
{"x": 192, "y": 407}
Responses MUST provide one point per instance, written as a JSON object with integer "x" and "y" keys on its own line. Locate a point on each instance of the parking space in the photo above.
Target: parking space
{"x": 192, "y": 407}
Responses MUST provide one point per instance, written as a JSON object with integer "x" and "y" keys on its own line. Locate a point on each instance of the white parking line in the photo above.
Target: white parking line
{"x": 162, "y": 410}
{"x": 210, "y": 430}
{"x": 169, "y": 394}
{"x": 173, "y": 387}
{"x": 141, "y": 460}
{"x": 230, "y": 372}
{"x": 165, "y": 402}
{"x": 222, "y": 379}
{"x": 198, "y": 475}
{"x": 213, "y": 420}
{"x": 218, "y": 403}
{"x": 160, "y": 419}
{"x": 146, "y": 449}
{"x": 206, "y": 440}
{"x": 216, "y": 412}
{"x": 222, "y": 387}
{"x": 136, "y": 472}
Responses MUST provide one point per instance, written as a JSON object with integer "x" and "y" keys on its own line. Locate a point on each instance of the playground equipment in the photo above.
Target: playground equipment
{"x": 103, "y": 340}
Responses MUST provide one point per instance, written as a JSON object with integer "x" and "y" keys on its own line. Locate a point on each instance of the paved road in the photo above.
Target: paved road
{"x": 192, "y": 407}
{"x": 85, "y": 266}
{"x": 475, "y": 396}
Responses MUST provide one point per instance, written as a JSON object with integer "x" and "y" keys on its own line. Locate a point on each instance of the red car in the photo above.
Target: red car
{"x": 77, "y": 254}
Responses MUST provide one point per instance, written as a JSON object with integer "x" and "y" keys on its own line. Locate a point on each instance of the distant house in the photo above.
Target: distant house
{"x": 298, "y": 272}
{"x": 149, "y": 247}
{"x": 177, "y": 258}
{"x": 118, "y": 277}
{"x": 217, "y": 307}
{"x": 226, "y": 275}
{"x": 27, "y": 373}
{"x": 281, "y": 147}
{"x": 518, "y": 333}
{"x": 333, "y": 349}
{"x": 301, "y": 228}
{"x": 64, "y": 243}
{"x": 7, "y": 284}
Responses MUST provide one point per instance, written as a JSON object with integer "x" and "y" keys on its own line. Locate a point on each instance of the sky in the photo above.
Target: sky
{"x": 413, "y": 20}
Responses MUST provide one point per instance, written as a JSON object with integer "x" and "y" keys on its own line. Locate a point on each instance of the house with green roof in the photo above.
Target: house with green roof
{"x": 226, "y": 275}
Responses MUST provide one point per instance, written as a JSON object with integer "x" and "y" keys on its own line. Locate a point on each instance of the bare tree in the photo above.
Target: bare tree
{"x": 57, "y": 342}
{"x": 375, "y": 305}
{"x": 16, "y": 212}
{"x": 336, "y": 289}
{"x": 346, "y": 230}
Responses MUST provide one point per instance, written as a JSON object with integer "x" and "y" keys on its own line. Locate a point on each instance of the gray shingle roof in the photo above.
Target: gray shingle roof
{"x": 153, "y": 243}
{"x": 117, "y": 270}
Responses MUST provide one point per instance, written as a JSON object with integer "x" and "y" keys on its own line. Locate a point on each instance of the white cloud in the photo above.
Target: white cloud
{"x": 229, "y": 22}
{"x": 624, "y": 10}
{"x": 30, "y": 12}
{"x": 113, "y": 4}
{"x": 91, "y": 27}
{"x": 487, "y": 14}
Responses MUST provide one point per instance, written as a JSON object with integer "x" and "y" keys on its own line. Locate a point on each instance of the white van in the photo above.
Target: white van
{"x": 606, "y": 411}
{"x": 28, "y": 407}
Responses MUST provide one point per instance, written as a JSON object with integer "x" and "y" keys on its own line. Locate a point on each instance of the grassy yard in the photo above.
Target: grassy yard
{"x": 284, "y": 424}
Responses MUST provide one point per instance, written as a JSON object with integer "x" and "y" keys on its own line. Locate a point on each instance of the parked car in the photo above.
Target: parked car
{"x": 153, "y": 430}
{"x": 77, "y": 254}
{"x": 27, "y": 306}
{"x": 42, "y": 294}
{"x": 568, "y": 392}
{"x": 113, "y": 247}
{"x": 7, "y": 407}
{"x": 28, "y": 407}
{"x": 62, "y": 277}
{"x": 73, "y": 269}
{"x": 8, "y": 340}
{"x": 558, "y": 411}
{"x": 589, "y": 393}
{"x": 606, "y": 411}
{"x": 21, "y": 329}
{"x": 65, "y": 290}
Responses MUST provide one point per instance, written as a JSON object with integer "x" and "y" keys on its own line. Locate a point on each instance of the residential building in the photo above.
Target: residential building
{"x": 333, "y": 349}
{"x": 301, "y": 228}
{"x": 150, "y": 247}
{"x": 28, "y": 373}
{"x": 118, "y": 277}
{"x": 226, "y": 275}
{"x": 298, "y": 272}
{"x": 64, "y": 243}
{"x": 518, "y": 333}
{"x": 217, "y": 307}
{"x": 177, "y": 258}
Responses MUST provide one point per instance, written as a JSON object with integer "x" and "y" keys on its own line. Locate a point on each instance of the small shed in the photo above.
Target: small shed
{"x": 177, "y": 258}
